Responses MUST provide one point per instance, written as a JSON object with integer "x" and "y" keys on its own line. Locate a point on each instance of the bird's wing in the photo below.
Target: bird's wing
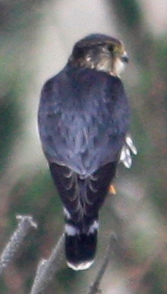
{"x": 82, "y": 197}
{"x": 83, "y": 119}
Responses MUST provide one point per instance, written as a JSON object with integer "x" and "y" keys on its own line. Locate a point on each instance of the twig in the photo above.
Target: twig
{"x": 25, "y": 223}
{"x": 111, "y": 246}
{"x": 47, "y": 268}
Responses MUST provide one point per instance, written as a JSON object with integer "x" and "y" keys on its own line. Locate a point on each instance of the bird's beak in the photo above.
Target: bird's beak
{"x": 125, "y": 57}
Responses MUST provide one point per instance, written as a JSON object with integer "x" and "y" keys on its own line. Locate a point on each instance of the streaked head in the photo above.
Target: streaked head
{"x": 100, "y": 52}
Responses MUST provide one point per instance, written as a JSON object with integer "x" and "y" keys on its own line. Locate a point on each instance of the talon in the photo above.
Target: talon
{"x": 112, "y": 190}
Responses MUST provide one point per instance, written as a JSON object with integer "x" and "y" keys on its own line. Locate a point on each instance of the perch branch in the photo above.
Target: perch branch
{"x": 25, "y": 223}
{"x": 47, "y": 268}
{"x": 111, "y": 246}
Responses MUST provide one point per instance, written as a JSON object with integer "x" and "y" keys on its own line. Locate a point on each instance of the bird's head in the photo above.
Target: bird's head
{"x": 100, "y": 52}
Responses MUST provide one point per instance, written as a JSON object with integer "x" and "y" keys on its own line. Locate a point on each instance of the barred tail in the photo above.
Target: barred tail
{"x": 82, "y": 199}
{"x": 80, "y": 246}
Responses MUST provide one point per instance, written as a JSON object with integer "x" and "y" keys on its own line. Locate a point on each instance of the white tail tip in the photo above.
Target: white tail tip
{"x": 80, "y": 267}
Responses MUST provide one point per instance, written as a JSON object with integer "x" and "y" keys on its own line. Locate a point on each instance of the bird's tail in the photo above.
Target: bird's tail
{"x": 82, "y": 199}
{"x": 80, "y": 245}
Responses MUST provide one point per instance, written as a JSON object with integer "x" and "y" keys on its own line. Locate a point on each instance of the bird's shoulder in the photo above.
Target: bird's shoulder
{"x": 81, "y": 83}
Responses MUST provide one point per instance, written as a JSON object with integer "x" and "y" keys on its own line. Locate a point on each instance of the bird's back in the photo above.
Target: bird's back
{"x": 83, "y": 119}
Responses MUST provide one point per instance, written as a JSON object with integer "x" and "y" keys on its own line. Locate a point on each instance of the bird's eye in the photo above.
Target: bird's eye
{"x": 111, "y": 48}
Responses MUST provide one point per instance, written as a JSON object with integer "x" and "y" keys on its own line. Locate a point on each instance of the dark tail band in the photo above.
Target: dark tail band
{"x": 80, "y": 247}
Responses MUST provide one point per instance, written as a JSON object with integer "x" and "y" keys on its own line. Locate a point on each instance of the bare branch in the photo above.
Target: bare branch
{"x": 111, "y": 246}
{"x": 47, "y": 268}
{"x": 25, "y": 223}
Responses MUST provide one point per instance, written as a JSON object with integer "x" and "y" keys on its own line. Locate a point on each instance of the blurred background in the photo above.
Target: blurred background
{"x": 36, "y": 38}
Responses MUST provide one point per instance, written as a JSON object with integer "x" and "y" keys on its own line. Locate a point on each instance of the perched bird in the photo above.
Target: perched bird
{"x": 83, "y": 124}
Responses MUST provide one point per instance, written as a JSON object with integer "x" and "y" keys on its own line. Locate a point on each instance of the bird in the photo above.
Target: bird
{"x": 83, "y": 119}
